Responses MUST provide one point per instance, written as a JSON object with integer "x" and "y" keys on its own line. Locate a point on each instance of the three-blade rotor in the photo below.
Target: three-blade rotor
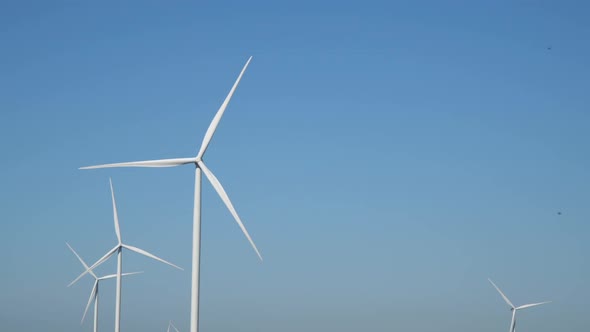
{"x": 94, "y": 292}
{"x": 512, "y": 306}
{"x": 198, "y": 161}
{"x": 120, "y": 245}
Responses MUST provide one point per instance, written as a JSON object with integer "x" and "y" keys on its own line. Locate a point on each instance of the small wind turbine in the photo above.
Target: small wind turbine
{"x": 119, "y": 250}
{"x": 171, "y": 325}
{"x": 199, "y": 166}
{"x": 513, "y": 308}
{"x": 94, "y": 292}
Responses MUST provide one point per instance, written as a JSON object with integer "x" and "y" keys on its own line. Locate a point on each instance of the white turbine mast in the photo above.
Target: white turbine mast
{"x": 199, "y": 167}
{"x": 94, "y": 293}
{"x": 119, "y": 250}
{"x": 514, "y": 308}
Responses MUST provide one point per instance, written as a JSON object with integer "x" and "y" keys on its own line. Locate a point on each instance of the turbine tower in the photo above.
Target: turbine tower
{"x": 199, "y": 167}
{"x": 94, "y": 292}
{"x": 513, "y": 308}
{"x": 119, "y": 250}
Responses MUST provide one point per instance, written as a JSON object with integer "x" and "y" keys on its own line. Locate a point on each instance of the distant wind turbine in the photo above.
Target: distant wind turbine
{"x": 119, "y": 250}
{"x": 94, "y": 292}
{"x": 171, "y": 325}
{"x": 199, "y": 166}
{"x": 513, "y": 308}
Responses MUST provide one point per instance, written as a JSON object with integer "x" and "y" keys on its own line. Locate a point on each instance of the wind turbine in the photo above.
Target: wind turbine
{"x": 119, "y": 250}
{"x": 171, "y": 325}
{"x": 94, "y": 292}
{"x": 513, "y": 308}
{"x": 199, "y": 167}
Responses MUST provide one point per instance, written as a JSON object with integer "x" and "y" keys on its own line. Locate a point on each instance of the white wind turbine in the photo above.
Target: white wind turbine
{"x": 171, "y": 325}
{"x": 94, "y": 292}
{"x": 199, "y": 166}
{"x": 513, "y": 308}
{"x": 119, "y": 250}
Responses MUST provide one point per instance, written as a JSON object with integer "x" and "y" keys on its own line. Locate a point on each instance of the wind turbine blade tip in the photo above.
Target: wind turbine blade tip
{"x": 259, "y": 256}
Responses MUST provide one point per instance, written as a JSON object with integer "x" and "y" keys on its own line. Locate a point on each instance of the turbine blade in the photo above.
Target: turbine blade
{"x": 174, "y": 327}
{"x": 111, "y": 276}
{"x": 532, "y": 305}
{"x": 219, "y": 188}
{"x": 145, "y": 253}
{"x": 147, "y": 163}
{"x": 81, "y": 260}
{"x": 100, "y": 261}
{"x": 115, "y": 214}
{"x": 503, "y": 296}
{"x": 219, "y": 114}
{"x": 92, "y": 296}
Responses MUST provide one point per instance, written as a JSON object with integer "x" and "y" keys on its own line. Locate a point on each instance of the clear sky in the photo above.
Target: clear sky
{"x": 387, "y": 158}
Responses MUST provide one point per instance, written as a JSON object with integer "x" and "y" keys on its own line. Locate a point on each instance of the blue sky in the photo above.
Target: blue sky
{"x": 387, "y": 158}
